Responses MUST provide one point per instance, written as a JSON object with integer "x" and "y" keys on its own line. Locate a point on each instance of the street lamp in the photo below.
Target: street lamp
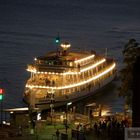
{"x": 66, "y": 125}
{"x": 51, "y": 92}
{"x": 69, "y": 103}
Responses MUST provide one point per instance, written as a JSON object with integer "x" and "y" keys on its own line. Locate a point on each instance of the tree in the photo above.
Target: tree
{"x": 130, "y": 52}
{"x": 136, "y": 95}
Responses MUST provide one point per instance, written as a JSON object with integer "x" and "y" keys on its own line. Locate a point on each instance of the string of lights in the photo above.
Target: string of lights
{"x": 77, "y": 84}
{"x": 67, "y": 73}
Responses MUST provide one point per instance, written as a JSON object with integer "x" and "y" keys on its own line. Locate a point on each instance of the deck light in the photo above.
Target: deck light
{"x": 77, "y": 84}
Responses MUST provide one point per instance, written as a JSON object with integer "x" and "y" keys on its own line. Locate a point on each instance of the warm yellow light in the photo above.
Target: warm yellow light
{"x": 93, "y": 66}
{"x": 33, "y": 70}
{"x": 65, "y": 46}
{"x": 83, "y": 59}
{"x": 67, "y": 73}
{"x": 77, "y": 84}
{"x": 51, "y": 91}
{"x": 104, "y": 112}
{"x": 35, "y": 58}
{"x": 62, "y": 117}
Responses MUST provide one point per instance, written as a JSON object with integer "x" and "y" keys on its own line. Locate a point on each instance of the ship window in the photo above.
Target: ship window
{"x": 70, "y": 64}
{"x": 49, "y": 62}
{"x": 64, "y": 63}
{"x": 46, "y": 62}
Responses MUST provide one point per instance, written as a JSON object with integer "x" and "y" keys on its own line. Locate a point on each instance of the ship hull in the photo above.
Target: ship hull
{"x": 74, "y": 97}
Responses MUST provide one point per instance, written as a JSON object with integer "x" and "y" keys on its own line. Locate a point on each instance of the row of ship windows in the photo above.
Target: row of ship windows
{"x": 88, "y": 87}
{"x": 64, "y": 63}
{"x": 55, "y": 79}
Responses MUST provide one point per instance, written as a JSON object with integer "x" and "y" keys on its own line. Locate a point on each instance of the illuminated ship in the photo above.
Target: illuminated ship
{"x": 65, "y": 76}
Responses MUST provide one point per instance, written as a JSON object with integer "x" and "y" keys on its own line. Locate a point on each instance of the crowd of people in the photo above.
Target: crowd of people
{"x": 111, "y": 128}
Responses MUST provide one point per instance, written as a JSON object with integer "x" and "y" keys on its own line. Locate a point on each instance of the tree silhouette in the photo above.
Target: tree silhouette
{"x": 136, "y": 95}
{"x": 130, "y": 52}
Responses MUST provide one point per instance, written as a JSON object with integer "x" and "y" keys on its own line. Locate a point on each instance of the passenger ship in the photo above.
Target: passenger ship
{"x": 64, "y": 76}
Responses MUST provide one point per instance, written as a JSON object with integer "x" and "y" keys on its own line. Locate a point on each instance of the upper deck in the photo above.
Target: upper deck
{"x": 52, "y": 62}
{"x": 64, "y": 60}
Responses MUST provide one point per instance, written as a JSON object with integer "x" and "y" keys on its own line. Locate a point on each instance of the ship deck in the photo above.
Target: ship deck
{"x": 70, "y": 56}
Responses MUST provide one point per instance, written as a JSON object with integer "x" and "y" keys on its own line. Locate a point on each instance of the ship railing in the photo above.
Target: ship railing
{"x": 107, "y": 66}
{"x": 54, "y": 69}
{"x": 85, "y": 50}
{"x": 95, "y": 86}
{"x": 75, "y": 95}
{"x": 43, "y": 82}
{"x": 63, "y": 68}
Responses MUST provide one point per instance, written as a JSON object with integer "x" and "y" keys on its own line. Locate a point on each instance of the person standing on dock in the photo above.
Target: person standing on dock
{"x": 57, "y": 134}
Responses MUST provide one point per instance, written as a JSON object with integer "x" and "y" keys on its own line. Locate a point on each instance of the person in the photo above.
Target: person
{"x": 20, "y": 130}
{"x": 80, "y": 127}
{"x": 96, "y": 128}
{"x": 57, "y": 134}
{"x": 77, "y": 128}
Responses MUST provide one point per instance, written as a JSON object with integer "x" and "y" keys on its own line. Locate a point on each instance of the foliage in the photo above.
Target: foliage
{"x": 130, "y": 52}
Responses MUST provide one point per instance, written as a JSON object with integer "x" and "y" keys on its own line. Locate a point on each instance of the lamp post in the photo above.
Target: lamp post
{"x": 66, "y": 125}
{"x": 51, "y": 92}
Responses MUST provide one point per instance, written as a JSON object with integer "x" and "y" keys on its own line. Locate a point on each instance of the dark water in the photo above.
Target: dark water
{"x": 28, "y": 29}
